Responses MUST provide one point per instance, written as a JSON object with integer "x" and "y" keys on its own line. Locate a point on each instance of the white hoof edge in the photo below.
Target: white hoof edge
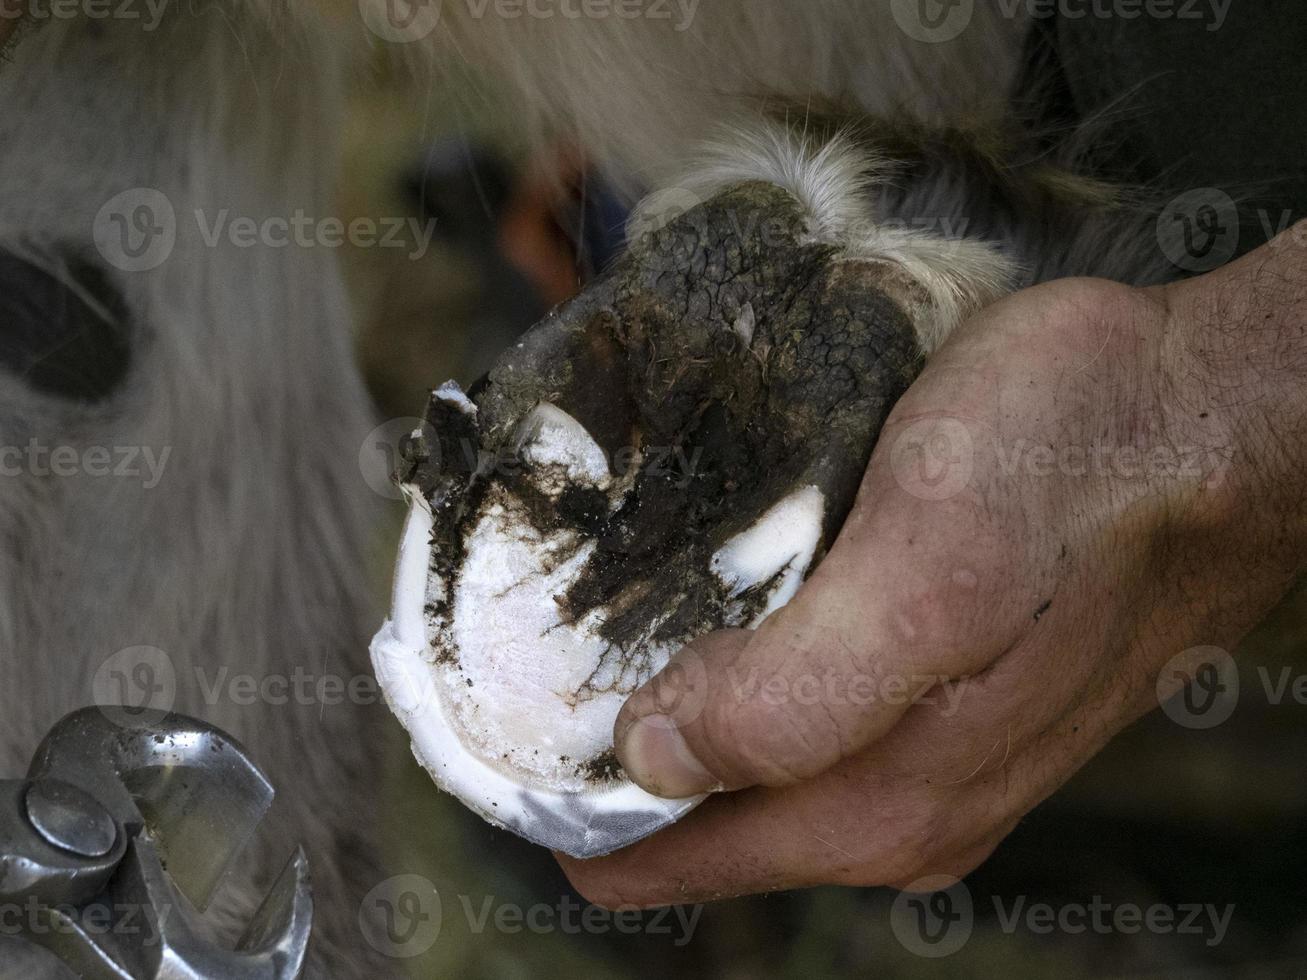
{"x": 508, "y": 705}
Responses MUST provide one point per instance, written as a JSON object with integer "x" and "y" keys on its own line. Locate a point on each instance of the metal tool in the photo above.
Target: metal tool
{"x": 112, "y": 847}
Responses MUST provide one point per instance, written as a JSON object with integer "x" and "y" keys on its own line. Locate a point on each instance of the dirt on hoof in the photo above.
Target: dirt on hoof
{"x": 722, "y": 365}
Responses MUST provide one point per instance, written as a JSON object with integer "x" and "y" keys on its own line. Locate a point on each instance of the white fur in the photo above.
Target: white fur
{"x": 832, "y": 183}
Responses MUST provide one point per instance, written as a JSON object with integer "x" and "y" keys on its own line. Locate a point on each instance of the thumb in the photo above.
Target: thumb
{"x": 822, "y": 678}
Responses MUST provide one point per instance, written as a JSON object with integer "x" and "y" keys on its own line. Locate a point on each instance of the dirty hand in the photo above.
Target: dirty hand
{"x": 1087, "y": 483}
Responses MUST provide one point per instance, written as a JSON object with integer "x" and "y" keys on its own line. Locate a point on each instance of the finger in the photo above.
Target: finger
{"x": 933, "y": 797}
{"x": 891, "y": 610}
{"x": 846, "y": 827}
{"x": 935, "y": 786}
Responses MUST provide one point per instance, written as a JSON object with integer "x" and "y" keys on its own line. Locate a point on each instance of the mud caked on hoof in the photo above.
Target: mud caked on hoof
{"x": 668, "y": 454}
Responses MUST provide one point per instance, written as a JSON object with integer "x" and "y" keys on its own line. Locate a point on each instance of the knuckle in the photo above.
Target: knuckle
{"x": 769, "y": 737}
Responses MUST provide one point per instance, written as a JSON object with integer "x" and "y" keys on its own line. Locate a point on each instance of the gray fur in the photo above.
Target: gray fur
{"x": 248, "y": 554}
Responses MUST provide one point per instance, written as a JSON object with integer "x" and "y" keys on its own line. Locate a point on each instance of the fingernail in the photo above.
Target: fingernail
{"x": 656, "y": 756}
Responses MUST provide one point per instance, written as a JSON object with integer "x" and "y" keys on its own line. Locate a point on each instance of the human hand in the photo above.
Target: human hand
{"x": 1087, "y": 481}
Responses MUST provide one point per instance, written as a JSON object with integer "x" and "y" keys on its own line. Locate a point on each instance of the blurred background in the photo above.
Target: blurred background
{"x": 1167, "y": 815}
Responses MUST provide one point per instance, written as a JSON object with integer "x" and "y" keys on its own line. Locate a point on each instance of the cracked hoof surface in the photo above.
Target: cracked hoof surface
{"x": 669, "y": 454}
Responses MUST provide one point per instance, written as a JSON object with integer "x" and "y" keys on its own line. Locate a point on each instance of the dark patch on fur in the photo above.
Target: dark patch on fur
{"x": 65, "y": 342}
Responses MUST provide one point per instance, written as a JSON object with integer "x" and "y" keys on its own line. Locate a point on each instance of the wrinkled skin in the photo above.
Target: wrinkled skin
{"x": 1061, "y": 592}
